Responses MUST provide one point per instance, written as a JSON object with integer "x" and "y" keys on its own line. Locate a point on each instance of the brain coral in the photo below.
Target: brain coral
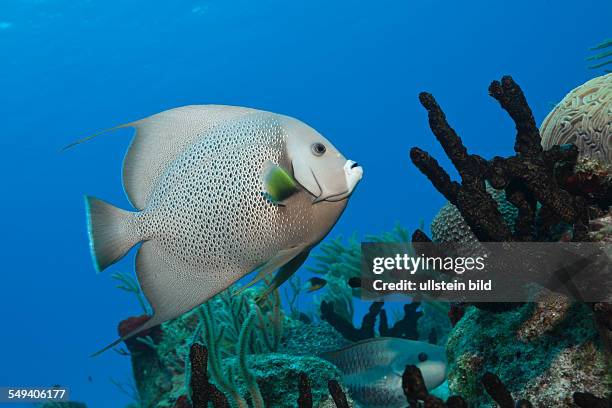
{"x": 583, "y": 117}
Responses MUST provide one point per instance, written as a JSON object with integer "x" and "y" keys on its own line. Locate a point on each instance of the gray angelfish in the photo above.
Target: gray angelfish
{"x": 220, "y": 191}
{"x": 372, "y": 369}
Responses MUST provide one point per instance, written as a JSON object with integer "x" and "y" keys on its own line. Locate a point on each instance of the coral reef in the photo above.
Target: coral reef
{"x": 338, "y": 263}
{"x": 455, "y": 313}
{"x": 544, "y": 352}
{"x": 588, "y": 400}
{"x": 413, "y": 386}
{"x": 234, "y": 351}
{"x": 542, "y": 357}
{"x": 278, "y": 377}
{"x": 527, "y": 178}
{"x": 583, "y": 118}
{"x": 151, "y": 369}
{"x": 416, "y": 392}
{"x": 240, "y": 326}
{"x": 254, "y": 354}
{"x": 589, "y": 178}
{"x": 281, "y": 387}
{"x": 302, "y": 338}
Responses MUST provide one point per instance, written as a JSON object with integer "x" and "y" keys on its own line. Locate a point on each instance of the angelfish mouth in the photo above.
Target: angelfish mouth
{"x": 353, "y": 172}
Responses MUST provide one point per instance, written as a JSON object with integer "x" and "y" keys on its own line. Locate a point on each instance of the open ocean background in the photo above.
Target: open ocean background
{"x": 350, "y": 69}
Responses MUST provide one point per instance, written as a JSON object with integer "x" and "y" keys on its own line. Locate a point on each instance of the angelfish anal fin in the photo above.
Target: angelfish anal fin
{"x": 278, "y": 184}
{"x": 286, "y": 271}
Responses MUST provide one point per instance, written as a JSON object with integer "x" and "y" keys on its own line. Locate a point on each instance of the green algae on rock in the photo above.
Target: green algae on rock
{"x": 546, "y": 368}
{"x": 278, "y": 377}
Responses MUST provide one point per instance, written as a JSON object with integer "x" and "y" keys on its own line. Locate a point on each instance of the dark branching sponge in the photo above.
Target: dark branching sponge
{"x": 405, "y": 328}
{"x": 202, "y": 390}
{"x": 588, "y": 400}
{"x": 414, "y": 385}
{"x": 497, "y": 390}
{"x": 449, "y": 226}
{"x": 335, "y": 390}
{"x": 305, "y": 392}
{"x": 527, "y": 178}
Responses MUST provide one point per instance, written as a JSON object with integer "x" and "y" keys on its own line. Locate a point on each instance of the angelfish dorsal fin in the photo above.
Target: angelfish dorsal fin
{"x": 278, "y": 184}
{"x": 160, "y": 139}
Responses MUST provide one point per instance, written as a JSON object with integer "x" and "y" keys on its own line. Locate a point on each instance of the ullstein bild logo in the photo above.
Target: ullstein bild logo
{"x": 486, "y": 272}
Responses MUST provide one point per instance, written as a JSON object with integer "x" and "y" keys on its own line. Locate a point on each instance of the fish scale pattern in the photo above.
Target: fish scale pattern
{"x": 208, "y": 211}
{"x": 364, "y": 381}
{"x": 371, "y": 396}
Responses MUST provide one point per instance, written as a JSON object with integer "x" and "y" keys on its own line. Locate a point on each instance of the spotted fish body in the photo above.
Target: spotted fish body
{"x": 205, "y": 220}
{"x": 372, "y": 369}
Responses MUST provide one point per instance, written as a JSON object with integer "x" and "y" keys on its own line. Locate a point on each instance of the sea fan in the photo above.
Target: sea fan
{"x": 603, "y": 57}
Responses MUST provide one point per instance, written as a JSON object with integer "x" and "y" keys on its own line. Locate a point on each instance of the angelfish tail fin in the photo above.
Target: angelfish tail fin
{"x": 111, "y": 232}
{"x": 152, "y": 322}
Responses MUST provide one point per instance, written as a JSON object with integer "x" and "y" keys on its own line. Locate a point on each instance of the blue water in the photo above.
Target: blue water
{"x": 350, "y": 69}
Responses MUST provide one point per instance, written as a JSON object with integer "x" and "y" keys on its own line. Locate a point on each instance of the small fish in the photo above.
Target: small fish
{"x": 372, "y": 369}
{"x": 220, "y": 191}
{"x": 314, "y": 284}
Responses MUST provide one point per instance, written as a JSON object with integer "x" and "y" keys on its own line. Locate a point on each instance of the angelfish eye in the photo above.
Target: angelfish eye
{"x": 318, "y": 149}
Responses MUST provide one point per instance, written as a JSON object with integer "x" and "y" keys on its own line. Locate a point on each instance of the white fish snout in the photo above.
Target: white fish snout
{"x": 353, "y": 173}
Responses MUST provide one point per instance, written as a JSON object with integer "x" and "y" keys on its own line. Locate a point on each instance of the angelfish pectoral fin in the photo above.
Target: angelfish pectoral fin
{"x": 278, "y": 184}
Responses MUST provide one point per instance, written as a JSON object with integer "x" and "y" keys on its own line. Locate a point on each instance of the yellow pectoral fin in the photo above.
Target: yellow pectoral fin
{"x": 278, "y": 184}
